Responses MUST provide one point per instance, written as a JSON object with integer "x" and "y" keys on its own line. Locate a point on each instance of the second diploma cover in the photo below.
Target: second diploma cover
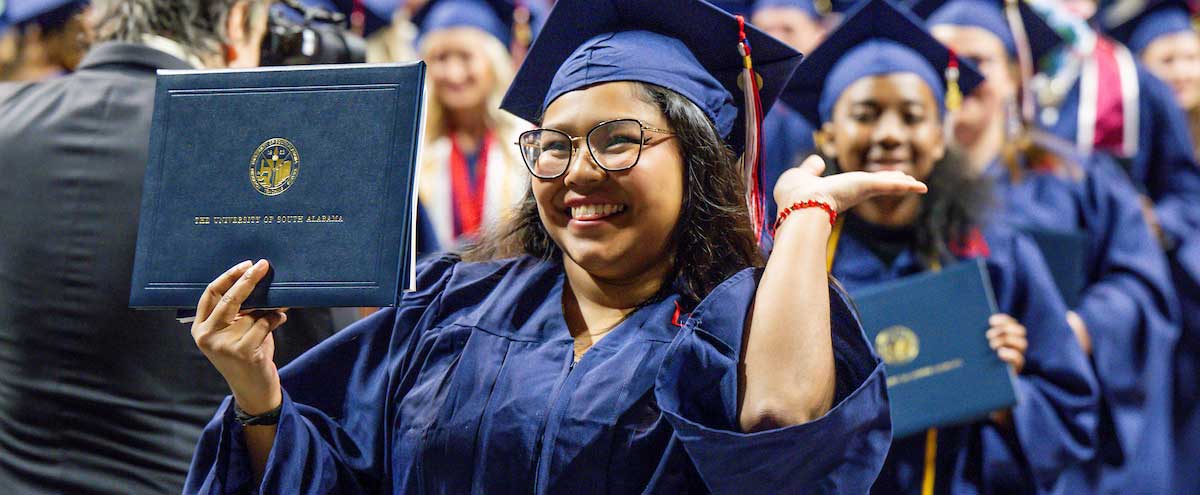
{"x": 931, "y": 331}
{"x": 311, "y": 168}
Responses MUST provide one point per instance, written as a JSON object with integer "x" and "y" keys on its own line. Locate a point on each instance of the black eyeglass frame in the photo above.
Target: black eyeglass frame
{"x": 587, "y": 139}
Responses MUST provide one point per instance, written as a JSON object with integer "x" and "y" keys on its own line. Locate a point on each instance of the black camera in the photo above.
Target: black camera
{"x": 299, "y": 34}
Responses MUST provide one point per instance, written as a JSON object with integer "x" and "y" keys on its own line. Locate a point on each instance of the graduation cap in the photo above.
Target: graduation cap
{"x": 688, "y": 46}
{"x": 1138, "y": 23}
{"x": 503, "y": 19}
{"x": 877, "y": 38}
{"x": 993, "y": 16}
{"x": 47, "y": 13}
{"x": 1026, "y": 36}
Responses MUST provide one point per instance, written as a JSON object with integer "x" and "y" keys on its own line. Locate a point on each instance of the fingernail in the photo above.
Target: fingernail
{"x": 243, "y": 265}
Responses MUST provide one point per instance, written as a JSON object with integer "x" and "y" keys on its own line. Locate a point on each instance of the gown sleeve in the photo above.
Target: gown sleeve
{"x": 1055, "y": 420}
{"x": 1173, "y": 181}
{"x": 1129, "y": 307}
{"x": 331, "y": 436}
{"x": 697, "y": 390}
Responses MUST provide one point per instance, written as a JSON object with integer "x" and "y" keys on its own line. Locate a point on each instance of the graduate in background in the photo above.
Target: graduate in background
{"x": 1161, "y": 35}
{"x": 881, "y": 86}
{"x": 630, "y": 346}
{"x": 471, "y": 175}
{"x": 1131, "y": 116}
{"x": 41, "y": 39}
{"x": 1126, "y": 317}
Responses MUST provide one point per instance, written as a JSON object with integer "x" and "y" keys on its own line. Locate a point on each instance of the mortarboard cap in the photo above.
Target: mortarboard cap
{"x": 47, "y": 13}
{"x": 495, "y": 17}
{"x": 876, "y": 38}
{"x": 990, "y": 15}
{"x": 1137, "y": 24}
{"x": 687, "y": 46}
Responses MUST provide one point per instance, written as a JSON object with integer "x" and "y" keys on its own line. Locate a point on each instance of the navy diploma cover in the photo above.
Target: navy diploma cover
{"x": 930, "y": 329}
{"x": 312, "y": 168}
{"x": 1066, "y": 255}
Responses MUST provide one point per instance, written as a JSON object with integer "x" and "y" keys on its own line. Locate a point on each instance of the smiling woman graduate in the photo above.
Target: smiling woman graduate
{"x": 632, "y": 344}
{"x": 880, "y": 86}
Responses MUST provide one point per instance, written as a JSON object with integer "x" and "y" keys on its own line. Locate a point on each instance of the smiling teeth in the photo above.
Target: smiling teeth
{"x": 591, "y": 212}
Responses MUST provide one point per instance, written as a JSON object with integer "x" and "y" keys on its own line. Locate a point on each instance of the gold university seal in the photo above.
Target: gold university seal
{"x": 897, "y": 345}
{"x": 274, "y": 166}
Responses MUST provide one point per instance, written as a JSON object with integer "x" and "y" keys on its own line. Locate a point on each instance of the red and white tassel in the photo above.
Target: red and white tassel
{"x": 752, "y": 156}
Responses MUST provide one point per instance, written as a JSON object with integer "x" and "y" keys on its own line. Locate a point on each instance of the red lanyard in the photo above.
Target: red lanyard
{"x": 468, "y": 198}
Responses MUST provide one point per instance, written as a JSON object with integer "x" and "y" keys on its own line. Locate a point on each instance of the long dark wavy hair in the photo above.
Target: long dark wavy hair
{"x": 956, "y": 204}
{"x": 713, "y": 239}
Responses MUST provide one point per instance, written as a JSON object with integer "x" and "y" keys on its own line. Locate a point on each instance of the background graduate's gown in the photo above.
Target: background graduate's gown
{"x": 787, "y": 140}
{"x": 1165, "y": 169}
{"x": 469, "y": 387}
{"x": 1128, "y": 306}
{"x": 1054, "y": 421}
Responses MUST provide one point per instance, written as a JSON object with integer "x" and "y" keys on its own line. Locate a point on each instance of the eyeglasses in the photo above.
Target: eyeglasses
{"x": 614, "y": 145}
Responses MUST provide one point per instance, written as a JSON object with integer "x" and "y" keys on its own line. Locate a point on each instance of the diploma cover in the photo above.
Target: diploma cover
{"x": 312, "y": 168}
{"x": 1066, "y": 255}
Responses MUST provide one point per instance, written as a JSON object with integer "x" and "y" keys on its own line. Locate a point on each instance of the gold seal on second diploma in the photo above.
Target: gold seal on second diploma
{"x": 897, "y": 345}
{"x": 274, "y": 166}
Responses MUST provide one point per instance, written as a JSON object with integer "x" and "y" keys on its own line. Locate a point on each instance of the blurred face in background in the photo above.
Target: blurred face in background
{"x": 1175, "y": 58}
{"x": 459, "y": 69}
{"x": 791, "y": 25}
{"x": 986, "y": 105}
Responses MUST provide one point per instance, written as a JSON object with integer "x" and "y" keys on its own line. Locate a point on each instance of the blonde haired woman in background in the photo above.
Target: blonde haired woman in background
{"x": 471, "y": 175}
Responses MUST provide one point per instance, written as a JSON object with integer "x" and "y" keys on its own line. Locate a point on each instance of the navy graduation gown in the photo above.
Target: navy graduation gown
{"x": 469, "y": 387}
{"x": 1164, "y": 166}
{"x": 1128, "y": 306}
{"x": 1054, "y": 421}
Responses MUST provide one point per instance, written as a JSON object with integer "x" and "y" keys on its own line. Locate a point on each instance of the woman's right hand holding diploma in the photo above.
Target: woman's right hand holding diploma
{"x": 240, "y": 344}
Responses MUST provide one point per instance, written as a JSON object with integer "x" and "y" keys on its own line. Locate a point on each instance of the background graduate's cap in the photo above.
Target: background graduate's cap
{"x": 1137, "y": 23}
{"x": 688, "y": 46}
{"x": 877, "y": 38}
{"x": 503, "y": 19}
{"x": 47, "y": 13}
{"x": 1026, "y": 28}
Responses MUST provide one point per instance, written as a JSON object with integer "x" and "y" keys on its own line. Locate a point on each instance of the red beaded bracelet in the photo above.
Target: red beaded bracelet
{"x": 783, "y": 214}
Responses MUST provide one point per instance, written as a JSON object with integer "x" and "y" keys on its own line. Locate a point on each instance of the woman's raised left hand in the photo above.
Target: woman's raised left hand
{"x": 841, "y": 191}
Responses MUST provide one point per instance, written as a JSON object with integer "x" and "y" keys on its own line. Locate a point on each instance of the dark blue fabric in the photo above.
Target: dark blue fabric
{"x": 1164, "y": 166}
{"x": 494, "y": 17}
{"x": 1128, "y": 306}
{"x": 650, "y": 58}
{"x": 787, "y": 141}
{"x": 1154, "y": 18}
{"x": 990, "y": 15}
{"x": 1054, "y": 421}
{"x": 468, "y": 387}
{"x": 983, "y": 14}
{"x": 1158, "y": 23}
{"x": 686, "y": 46}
